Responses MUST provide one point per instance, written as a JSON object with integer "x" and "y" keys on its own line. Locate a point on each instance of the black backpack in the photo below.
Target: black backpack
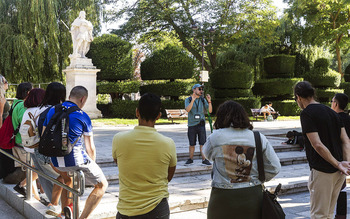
{"x": 54, "y": 142}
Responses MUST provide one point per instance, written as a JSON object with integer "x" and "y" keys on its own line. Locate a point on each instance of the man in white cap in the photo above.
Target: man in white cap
{"x": 196, "y": 106}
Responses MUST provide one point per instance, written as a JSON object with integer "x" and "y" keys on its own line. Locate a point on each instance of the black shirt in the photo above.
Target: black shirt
{"x": 346, "y": 121}
{"x": 326, "y": 122}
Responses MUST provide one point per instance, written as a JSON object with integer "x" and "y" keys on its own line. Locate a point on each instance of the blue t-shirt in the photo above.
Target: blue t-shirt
{"x": 79, "y": 124}
{"x": 197, "y": 108}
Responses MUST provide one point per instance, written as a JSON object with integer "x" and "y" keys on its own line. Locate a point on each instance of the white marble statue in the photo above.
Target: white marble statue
{"x": 81, "y": 31}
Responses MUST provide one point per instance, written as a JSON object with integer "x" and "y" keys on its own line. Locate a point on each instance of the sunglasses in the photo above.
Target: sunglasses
{"x": 201, "y": 89}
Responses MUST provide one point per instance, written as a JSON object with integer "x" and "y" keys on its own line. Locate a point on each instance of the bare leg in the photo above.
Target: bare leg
{"x": 203, "y": 157}
{"x": 191, "y": 150}
{"x": 94, "y": 198}
{"x": 57, "y": 190}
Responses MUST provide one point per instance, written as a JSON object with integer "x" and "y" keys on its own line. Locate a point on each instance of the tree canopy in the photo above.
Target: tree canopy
{"x": 233, "y": 21}
{"x": 35, "y": 44}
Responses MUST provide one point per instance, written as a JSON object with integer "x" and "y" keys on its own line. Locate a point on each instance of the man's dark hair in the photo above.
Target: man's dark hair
{"x": 22, "y": 90}
{"x": 304, "y": 89}
{"x": 149, "y": 106}
{"x": 342, "y": 100}
{"x": 290, "y": 134}
{"x": 232, "y": 114}
{"x": 55, "y": 94}
{"x": 78, "y": 92}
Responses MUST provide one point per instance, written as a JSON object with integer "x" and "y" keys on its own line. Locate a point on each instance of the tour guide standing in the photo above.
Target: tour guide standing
{"x": 196, "y": 106}
{"x": 327, "y": 149}
{"x": 146, "y": 162}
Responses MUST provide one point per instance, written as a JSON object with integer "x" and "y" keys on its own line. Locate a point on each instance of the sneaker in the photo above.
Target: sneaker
{"x": 189, "y": 161}
{"x": 54, "y": 210}
{"x": 68, "y": 211}
{"x": 20, "y": 190}
{"x": 206, "y": 162}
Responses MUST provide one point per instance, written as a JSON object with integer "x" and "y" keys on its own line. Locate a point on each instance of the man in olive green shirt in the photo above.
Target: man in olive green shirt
{"x": 146, "y": 162}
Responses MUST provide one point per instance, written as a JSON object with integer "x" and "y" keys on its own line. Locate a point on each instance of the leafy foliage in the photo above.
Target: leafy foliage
{"x": 247, "y": 103}
{"x": 232, "y": 75}
{"x": 287, "y": 107}
{"x": 280, "y": 66}
{"x": 223, "y": 93}
{"x": 121, "y": 87}
{"x": 319, "y": 78}
{"x": 113, "y": 56}
{"x": 168, "y": 63}
{"x": 282, "y": 87}
{"x": 347, "y": 74}
{"x": 176, "y": 88}
{"x": 326, "y": 95}
{"x": 34, "y": 42}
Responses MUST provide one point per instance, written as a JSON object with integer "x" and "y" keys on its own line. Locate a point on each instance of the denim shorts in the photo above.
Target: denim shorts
{"x": 194, "y": 131}
{"x": 161, "y": 211}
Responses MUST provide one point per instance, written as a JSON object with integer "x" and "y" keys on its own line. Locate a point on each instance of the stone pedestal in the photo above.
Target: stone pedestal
{"x": 82, "y": 72}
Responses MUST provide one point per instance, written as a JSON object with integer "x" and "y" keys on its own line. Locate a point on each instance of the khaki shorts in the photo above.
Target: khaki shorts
{"x": 19, "y": 153}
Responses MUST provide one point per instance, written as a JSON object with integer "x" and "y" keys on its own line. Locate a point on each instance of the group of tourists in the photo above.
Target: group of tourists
{"x": 34, "y": 110}
{"x": 147, "y": 160}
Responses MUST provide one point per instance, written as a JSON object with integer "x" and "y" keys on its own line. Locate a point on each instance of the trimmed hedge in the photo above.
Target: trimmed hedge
{"x": 223, "y": 93}
{"x": 286, "y": 107}
{"x": 113, "y": 56}
{"x": 347, "y": 74}
{"x": 169, "y": 63}
{"x": 175, "y": 88}
{"x": 123, "y": 87}
{"x": 280, "y": 66}
{"x": 247, "y": 103}
{"x": 329, "y": 79}
{"x": 232, "y": 75}
{"x": 346, "y": 87}
{"x": 123, "y": 108}
{"x": 327, "y": 94}
{"x": 302, "y": 65}
{"x": 275, "y": 87}
{"x": 321, "y": 63}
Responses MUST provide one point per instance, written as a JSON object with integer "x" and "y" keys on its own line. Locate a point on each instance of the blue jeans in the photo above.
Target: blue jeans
{"x": 194, "y": 131}
{"x": 160, "y": 212}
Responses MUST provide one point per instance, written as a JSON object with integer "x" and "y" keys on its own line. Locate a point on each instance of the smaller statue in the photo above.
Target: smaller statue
{"x": 81, "y": 31}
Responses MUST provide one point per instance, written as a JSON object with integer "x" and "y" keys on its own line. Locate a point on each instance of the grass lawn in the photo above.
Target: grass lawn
{"x": 133, "y": 122}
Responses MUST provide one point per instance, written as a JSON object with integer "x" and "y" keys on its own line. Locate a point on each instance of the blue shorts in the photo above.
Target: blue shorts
{"x": 194, "y": 131}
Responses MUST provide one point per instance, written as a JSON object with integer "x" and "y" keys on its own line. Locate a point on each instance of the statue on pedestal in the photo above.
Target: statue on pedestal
{"x": 81, "y": 31}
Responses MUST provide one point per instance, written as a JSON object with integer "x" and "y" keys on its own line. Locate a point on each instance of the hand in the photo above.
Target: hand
{"x": 194, "y": 97}
{"x": 344, "y": 167}
{"x": 208, "y": 98}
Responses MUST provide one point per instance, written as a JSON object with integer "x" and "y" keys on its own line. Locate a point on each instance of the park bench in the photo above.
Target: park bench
{"x": 172, "y": 114}
{"x": 256, "y": 113}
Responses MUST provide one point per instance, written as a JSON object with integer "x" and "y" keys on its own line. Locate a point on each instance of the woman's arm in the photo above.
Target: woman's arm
{"x": 2, "y": 105}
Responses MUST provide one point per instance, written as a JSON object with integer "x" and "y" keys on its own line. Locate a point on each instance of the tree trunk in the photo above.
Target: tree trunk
{"x": 339, "y": 60}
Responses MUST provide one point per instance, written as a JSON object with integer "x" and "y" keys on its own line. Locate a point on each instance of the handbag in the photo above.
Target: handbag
{"x": 7, "y": 132}
{"x": 271, "y": 209}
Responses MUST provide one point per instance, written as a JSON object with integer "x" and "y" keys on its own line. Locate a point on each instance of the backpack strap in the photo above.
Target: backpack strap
{"x": 259, "y": 156}
{"x": 12, "y": 108}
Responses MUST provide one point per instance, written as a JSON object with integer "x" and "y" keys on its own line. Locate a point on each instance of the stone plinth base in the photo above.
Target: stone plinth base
{"x": 84, "y": 76}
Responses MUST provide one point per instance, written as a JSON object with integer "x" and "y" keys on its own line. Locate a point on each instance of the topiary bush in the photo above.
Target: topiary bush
{"x": 123, "y": 108}
{"x": 168, "y": 63}
{"x": 113, "y": 56}
{"x": 302, "y": 65}
{"x": 277, "y": 87}
{"x": 326, "y": 95}
{"x": 286, "y": 107}
{"x": 347, "y": 74}
{"x": 322, "y": 63}
{"x": 232, "y": 75}
{"x": 330, "y": 78}
{"x": 122, "y": 87}
{"x": 223, "y": 93}
{"x": 346, "y": 87}
{"x": 247, "y": 103}
{"x": 279, "y": 66}
{"x": 175, "y": 88}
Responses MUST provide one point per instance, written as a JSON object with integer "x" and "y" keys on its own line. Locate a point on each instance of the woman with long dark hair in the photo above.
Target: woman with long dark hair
{"x": 236, "y": 190}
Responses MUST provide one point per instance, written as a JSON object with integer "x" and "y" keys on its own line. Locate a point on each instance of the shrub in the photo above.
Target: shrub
{"x": 321, "y": 63}
{"x": 326, "y": 95}
{"x": 247, "y": 103}
{"x": 232, "y": 75}
{"x": 113, "y": 56}
{"x": 275, "y": 87}
{"x": 123, "y": 108}
{"x": 171, "y": 104}
{"x": 329, "y": 79}
{"x": 223, "y": 93}
{"x": 169, "y": 63}
{"x": 346, "y": 87}
{"x": 121, "y": 87}
{"x": 286, "y": 107}
{"x": 281, "y": 66}
{"x": 176, "y": 88}
{"x": 347, "y": 74}
{"x": 302, "y": 65}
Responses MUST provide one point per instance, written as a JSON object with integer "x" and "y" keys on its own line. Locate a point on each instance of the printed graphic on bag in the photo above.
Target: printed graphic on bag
{"x": 238, "y": 162}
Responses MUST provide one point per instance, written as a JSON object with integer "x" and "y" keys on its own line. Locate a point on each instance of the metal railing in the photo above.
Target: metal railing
{"x": 78, "y": 182}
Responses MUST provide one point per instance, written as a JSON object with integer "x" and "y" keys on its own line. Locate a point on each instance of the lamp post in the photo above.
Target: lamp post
{"x": 204, "y": 76}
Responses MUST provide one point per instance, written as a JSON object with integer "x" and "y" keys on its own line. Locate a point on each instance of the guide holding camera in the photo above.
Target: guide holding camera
{"x": 196, "y": 106}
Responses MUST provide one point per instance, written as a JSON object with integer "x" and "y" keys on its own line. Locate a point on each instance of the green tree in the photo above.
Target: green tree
{"x": 35, "y": 44}
{"x": 323, "y": 22}
{"x": 232, "y": 20}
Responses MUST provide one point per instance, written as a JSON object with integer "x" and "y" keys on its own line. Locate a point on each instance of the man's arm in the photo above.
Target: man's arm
{"x": 210, "y": 109}
{"x": 116, "y": 162}
{"x": 346, "y": 144}
{"x": 90, "y": 146}
{"x": 171, "y": 171}
{"x": 189, "y": 107}
{"x": 323, "y": 151}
